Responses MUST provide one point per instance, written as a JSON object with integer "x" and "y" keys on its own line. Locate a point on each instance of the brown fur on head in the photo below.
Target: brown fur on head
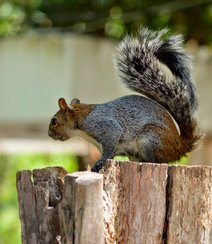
{"x": 62, "y": 123}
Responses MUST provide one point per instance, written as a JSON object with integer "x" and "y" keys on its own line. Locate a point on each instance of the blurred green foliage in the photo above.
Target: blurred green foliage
{"x": 112, "y": 18}
{"x": 10, "y": 229}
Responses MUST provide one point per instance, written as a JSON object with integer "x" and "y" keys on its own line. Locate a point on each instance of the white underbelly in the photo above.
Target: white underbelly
{"x": 85, "y": 136}
{"x": 131, "y": 149}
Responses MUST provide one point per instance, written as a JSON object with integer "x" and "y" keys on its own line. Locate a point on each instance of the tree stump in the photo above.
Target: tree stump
{"x": 127, "y": 202}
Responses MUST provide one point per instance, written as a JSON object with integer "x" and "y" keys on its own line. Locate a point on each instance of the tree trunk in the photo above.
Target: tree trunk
{"x": 190, "y": 204}
{"x": 127, "y": 202}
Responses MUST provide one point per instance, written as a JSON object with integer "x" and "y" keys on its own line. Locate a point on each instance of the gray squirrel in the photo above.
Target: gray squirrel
{"x": 140, "y": 127}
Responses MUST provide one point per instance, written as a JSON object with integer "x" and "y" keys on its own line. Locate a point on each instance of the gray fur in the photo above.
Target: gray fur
{"x": 139, "y": 59}
{"x": 136, "y": 126}
{"x": 117, "y": 127}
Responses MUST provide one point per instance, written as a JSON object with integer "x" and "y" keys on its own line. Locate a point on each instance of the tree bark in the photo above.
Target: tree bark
{"x": 126, "y": 203}
{"x": 190, "y": 204}
{"x": 134, "y": 202}
{"x": 81, "y": 209}
{"x": 37, "y": 204}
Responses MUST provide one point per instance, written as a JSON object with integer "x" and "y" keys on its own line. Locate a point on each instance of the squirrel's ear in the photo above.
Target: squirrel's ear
{"x": 62, "y": 104}
{"x": 75, "y": 101}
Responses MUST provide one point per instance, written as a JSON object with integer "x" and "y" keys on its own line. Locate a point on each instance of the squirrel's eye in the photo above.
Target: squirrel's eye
{"x": 54, "y": 122}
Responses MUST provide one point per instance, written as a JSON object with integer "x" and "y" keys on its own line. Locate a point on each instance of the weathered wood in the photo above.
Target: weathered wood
{"x": 27, "y": 211}
{"x": 126, "y": 203}
{"x": 39, "y": 221}
{"x": 50, "y": 214}
{"x": 81, "y": 209}
{"x": 135, "y": 202}
{"x": 190, "y": 205}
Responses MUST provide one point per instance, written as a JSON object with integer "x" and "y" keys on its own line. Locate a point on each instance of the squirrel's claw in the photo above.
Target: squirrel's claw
{"x": 98, "y": 165}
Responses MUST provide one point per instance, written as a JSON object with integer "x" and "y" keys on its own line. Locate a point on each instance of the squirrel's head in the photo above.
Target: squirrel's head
{"x": 63, "y": 122}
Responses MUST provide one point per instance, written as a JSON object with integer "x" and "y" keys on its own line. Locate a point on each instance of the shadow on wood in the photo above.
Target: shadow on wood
{"x": 127, "y": 202}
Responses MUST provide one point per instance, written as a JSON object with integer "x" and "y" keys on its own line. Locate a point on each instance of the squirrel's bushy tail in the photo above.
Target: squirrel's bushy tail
{"x": 141, "y": 61}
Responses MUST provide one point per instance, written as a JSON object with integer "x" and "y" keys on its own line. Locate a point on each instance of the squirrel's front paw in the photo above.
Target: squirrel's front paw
{"x": 97, "y": 166}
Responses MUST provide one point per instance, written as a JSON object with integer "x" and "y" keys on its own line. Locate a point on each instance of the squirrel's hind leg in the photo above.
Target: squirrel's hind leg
{"x": 147, "y": 149}
{"x": 153, "y": 146}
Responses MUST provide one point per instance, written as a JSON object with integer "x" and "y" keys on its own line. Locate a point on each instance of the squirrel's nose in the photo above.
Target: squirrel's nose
{"x": 51, "y": 133}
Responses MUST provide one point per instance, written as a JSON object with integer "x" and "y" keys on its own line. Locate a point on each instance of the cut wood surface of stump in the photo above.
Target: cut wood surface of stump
{"x": 127, "y": 202}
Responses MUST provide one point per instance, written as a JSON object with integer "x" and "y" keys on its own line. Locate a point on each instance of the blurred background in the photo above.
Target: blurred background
{"x": 63, "y": 48}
